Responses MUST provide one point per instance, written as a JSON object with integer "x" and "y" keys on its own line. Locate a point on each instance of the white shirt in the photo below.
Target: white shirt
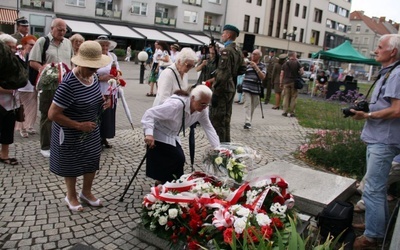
{"x": 157, "y": 53}
{"x": 164, "y": 121}
{"x": 167, "y": 84}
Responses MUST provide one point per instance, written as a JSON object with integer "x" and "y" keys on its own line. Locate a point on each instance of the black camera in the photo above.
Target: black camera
{"x": 359, "y": 106}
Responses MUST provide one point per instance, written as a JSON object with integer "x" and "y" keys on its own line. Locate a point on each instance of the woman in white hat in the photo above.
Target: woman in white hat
{"x": 107, "y": 127}
{"x": 75, "y": 139}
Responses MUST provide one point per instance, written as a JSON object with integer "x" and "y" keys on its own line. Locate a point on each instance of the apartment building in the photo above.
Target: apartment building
{"x": 305, "y": 26}
{"x": 188, "y": 22}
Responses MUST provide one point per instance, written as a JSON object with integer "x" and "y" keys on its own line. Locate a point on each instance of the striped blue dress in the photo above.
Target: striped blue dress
{"x": 74, "y": 153}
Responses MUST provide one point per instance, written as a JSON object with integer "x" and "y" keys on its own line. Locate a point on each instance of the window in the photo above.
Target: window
{"x": 249, "y": 1}
{"x": 343, "y": 12}
{"x": 349, "y": 28}
{"x": 139, "y": 8}
{"x": 40, "y": 4}
{"x": 259, "y": 2}
{"x": 297, "y": 10}
{"x": 366, "y": 40}
{"x": 317, "y": 15}
{"x": 256, "y": 25}
{"x": 246, "y": 23}
{"x": 304, "y": 12}
{"x": 328, "y": 23}
{"x": 332, "y": 7}
{"x": 366, "y": 30}
{"x": 301, "y": 35}
{"x": 193, "y": 2}
{"x": 314, "y": 39}
{"x": 80, "y": 3}
{"x": 341, "y": 27}
{"x": 356, "y": 40}
{"x": 161, "y": 12}
{"x": 358, "y": 29}
{"x": 190, "y": 16}
{"x": 207, "y": 20}
{"x": 215, "y": 1}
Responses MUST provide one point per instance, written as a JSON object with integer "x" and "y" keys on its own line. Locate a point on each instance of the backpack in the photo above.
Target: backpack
{"x": 33, "y": 73}
{"x": 336, "y": 218}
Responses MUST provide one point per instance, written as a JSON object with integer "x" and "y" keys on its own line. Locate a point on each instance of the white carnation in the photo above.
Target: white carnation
{"x": 172, "y": 213}
{"x": 239, "y": 225}
{"x": 162, "y": 220}
{"x": 263, "y": 219}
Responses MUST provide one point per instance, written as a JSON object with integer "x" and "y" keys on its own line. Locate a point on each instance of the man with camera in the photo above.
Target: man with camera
{"x": 251, "y": 85}
{"x": 381, "y": 134}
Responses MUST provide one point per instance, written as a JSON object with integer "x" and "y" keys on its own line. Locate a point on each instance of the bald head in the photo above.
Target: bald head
{"x": 58, "y": 29}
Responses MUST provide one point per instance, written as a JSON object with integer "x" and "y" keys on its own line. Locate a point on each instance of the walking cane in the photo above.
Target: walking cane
{"x": 259, "y": 96}
{"x": 134, "y": 176}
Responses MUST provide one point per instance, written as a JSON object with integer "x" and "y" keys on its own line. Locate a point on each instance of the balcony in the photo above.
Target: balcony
{"x": 214, "y": 28}
{"x": 115, "y": 14}
{"x": 38, "y": 4}
{"x": 192, "y": 2}
{"x": 165, "y": 21}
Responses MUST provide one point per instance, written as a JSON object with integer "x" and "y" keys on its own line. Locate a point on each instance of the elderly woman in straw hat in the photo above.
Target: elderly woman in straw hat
{"x": 75, "y": 139}
{"x": 107, "y": 127}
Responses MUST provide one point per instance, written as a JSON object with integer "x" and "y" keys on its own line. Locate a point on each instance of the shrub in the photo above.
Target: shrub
{"x": 119, "y": 52}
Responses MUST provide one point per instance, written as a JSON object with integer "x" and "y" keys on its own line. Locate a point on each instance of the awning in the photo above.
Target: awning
{"x": 121, "y": 31}
{"x": 206, "y": 40}
{"x": 182, "y": 38}
{"x": 8, "y": 16}
{"x": 153, "y": 34}
{"x": 85, "y": 27}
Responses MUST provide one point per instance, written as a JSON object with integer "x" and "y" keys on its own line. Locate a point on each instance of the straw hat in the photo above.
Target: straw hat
{"x": 90, "y": 55}
{"x": 104, "y": 38}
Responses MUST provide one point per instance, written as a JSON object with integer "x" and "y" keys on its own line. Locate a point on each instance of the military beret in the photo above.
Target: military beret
{"x": 231, "y": 28}
{"x": 22, "y": 21}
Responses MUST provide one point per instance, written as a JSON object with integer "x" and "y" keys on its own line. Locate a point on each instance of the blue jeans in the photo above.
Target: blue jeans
{"x": 379, "y": 162}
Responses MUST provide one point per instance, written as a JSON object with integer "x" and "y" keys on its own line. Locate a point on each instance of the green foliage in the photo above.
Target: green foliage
{"x": 119, "y": 52}
{"x": 340, "y": 149}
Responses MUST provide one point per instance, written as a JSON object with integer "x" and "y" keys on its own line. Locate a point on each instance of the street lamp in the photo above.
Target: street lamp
{"x": 142, "y": 56}
{"x": 290, "y": 34}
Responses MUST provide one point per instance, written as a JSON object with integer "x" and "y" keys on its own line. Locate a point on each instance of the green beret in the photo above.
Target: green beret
{"x": 231, "y": 28}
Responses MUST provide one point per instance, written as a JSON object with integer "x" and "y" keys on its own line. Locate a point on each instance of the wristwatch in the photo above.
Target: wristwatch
{"x": 370, "y": 115}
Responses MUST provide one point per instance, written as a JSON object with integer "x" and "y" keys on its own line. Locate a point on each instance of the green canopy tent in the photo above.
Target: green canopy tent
{"x": 343, "y": 53}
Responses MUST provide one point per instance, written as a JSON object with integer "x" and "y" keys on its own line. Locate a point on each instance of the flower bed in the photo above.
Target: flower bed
{"x": 199, "y": 210}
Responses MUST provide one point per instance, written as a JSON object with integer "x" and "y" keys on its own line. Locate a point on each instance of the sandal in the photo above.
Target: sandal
{"x": 23, "y": 134}
{"x": 150, "y": 94}
{"x": 10, "y": 161}
{"x": 275, "y": 107}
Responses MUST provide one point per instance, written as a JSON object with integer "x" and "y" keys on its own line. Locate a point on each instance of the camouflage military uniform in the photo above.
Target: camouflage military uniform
{"x": 224, "y": 89}
{"x": 267, "y": 82}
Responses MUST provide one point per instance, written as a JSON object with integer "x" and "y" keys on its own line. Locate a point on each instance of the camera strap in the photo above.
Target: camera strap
{"x": 384, "y": 81}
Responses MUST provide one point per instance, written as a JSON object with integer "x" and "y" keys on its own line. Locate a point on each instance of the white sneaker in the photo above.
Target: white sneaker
{"x": 45, "y": 153}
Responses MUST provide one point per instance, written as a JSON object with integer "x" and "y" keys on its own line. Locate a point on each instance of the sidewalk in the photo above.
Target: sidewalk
{"x": 33, "y": 214}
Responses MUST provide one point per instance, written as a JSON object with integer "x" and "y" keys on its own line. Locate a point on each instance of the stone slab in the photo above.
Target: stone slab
{"x": 147, "y": 236}
{"x": 313, "y": 190}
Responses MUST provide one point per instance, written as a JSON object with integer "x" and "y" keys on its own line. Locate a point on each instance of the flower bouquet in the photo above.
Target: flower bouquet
{"x": 201, "y": 212}
{"x": 51, "y": 76}
{"x": 230, "y": 161}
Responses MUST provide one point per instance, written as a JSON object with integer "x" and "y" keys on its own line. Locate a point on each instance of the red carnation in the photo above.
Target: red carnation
{"x": 278, "y": 199}
{"x": 277, "y": 222}
{"x": 266, "y": 232}
{"x": 228, "y": 235}
{"x": 282, "y": 184}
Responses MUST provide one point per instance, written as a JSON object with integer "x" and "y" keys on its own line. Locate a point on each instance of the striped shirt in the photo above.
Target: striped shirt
{"x": 252, "y": 82}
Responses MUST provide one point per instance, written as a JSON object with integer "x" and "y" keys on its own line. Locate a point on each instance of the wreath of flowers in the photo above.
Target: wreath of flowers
{"x": 51, "y": 76}
{"x": 199, "y": 210}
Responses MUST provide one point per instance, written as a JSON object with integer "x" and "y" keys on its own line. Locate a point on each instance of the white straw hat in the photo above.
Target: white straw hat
{"x": 90, "y": 55}
{"x": 104, "y": 38}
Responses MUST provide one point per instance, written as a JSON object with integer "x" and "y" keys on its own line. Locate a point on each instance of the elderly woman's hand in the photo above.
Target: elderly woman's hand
{"x": 105, "y": 78}
{"x": 107, "y": 102}
{"x": 87, "y": 126}
{"x": 149, "y": 140}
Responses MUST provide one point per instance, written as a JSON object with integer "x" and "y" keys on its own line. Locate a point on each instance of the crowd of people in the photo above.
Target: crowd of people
{"x": 78, "y": 115}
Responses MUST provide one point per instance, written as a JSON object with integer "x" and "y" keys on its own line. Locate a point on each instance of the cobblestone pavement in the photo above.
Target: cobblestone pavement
{"x": 33, "y": 214}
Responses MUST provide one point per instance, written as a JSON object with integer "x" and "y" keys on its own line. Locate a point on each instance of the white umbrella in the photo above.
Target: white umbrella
{"x": 126, "y": 108}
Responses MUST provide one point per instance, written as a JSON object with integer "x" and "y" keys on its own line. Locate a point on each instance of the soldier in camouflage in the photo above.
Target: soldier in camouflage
{"x": 269, "y": 61}
{"x": 230, "y": 65}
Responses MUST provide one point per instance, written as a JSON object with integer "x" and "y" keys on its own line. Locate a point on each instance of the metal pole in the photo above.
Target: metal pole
{"x": 142, "y": 67}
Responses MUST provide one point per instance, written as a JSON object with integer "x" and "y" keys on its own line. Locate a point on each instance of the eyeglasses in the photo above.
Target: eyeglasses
{"x": 189, "y": 66}
{"x": 61, "y": 30}
{"x": 204, "y": 105}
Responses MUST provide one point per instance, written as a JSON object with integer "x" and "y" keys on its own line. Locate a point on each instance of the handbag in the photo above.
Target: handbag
{"x": 19, "y": 114}
{"x": 299, "y": 83}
